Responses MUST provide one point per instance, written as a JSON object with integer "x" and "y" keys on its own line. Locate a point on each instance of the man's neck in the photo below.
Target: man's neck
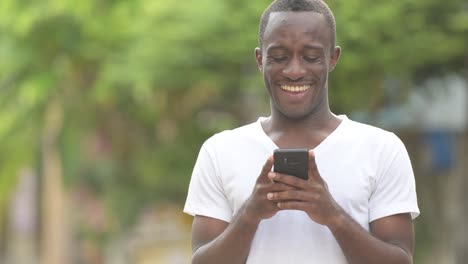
{"x": 307, "y": 132}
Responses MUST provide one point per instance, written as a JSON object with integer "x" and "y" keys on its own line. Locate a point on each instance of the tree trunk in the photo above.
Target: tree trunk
{"x": 461, "y": 235}
{"x": 53, "y": 215}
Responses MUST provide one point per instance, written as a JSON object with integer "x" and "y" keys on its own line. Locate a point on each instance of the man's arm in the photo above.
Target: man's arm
{"x": 390, "y": 240}
{"x": 216, "y": 241}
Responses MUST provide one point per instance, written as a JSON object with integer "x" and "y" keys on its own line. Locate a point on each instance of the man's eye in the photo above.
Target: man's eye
{"x": 279, "y": 58}
{"x": 312, "y": 59}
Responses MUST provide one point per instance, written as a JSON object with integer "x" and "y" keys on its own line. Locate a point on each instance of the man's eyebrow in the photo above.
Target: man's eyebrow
{"x": 276, "y": 47}
{"x": 313, "y": 47}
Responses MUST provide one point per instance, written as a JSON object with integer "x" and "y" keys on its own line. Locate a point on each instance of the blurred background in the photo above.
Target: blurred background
{"x": 105, "y": 104}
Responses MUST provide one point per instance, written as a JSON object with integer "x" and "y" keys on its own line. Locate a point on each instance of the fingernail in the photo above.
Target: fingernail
{"x": 269, "y": 196}
{"x": 271, "y": 175}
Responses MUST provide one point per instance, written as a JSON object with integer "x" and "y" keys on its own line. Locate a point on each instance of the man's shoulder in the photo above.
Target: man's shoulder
{"x": 372, "y": 133}
{"x": 368, "y": 129}
{"x": 235, "y": 135}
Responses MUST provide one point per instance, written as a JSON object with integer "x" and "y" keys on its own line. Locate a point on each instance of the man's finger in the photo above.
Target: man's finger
{"x": 294, "y": 205}
{"x": 288, "y": 180}
{"x": 279, "y": 187}
{"x": 263, "y": 177}
{"x": 293, "y": 195}
{"x": 313, "y": 170}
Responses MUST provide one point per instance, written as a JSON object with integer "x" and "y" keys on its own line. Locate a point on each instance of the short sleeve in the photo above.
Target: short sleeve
{"x": 394, "y": 190}
{"x": 205, "y": 194}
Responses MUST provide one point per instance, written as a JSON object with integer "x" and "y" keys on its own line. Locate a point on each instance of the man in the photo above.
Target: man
{"x": 359, "y": 201}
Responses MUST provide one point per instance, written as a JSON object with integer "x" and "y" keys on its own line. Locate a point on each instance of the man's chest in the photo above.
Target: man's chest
{"x": 349, "y": 182}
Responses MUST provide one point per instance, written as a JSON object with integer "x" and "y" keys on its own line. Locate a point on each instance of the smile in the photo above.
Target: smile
{"x": 289, "y": 88}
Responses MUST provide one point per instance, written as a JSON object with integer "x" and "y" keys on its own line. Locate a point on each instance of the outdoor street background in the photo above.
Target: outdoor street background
{"x": 105, "y": 104}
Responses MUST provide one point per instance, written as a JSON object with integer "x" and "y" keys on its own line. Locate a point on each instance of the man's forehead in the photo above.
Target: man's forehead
{"x": 310, "y": 22}
{"x": 306, "y": 19}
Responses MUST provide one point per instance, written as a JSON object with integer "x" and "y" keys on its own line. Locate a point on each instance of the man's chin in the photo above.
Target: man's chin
{"x": 295, "y": 114}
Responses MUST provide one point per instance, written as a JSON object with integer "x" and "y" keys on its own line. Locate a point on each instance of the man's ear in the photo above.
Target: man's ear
{"x": 259, "y": 58}
{"x": 335, "y": 56}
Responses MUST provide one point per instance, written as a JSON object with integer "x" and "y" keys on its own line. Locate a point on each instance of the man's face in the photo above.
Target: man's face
{"x": 295, "y": 59}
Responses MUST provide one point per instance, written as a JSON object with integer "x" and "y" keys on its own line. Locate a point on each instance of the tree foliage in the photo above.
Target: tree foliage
{"x": 143, "y": 83}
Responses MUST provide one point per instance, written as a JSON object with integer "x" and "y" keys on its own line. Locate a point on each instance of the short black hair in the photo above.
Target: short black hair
{"x": 317, "y": 6}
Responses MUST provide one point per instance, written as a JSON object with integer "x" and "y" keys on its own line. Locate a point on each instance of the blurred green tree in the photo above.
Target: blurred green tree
{"x": 142, "y": 83}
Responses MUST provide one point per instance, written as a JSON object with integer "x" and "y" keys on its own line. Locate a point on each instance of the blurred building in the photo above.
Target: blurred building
{"x": 438, "y": 104}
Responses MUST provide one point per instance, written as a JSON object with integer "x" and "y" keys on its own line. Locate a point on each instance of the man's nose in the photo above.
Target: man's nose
{"x": 294, "y": 70}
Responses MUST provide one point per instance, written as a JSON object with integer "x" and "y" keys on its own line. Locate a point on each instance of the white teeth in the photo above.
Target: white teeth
{"x": 295, "y": 88}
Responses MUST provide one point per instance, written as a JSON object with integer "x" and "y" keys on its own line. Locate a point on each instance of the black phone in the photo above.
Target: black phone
{"x": 293, "y": 162}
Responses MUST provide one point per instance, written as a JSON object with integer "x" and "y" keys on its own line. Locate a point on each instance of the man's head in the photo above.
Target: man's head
{"x": 296, "y": 54}
{"x": 316, "y": 6}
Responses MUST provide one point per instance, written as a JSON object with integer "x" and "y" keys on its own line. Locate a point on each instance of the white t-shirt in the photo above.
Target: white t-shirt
{"x": 367, "y": 170}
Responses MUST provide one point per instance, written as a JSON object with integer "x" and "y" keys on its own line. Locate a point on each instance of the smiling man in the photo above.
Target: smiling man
{"x": 359, "y": 201}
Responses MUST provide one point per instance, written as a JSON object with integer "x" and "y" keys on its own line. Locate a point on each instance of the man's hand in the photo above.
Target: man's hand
{"x": 258, "y": 207}
{"x": 311, "y": 196}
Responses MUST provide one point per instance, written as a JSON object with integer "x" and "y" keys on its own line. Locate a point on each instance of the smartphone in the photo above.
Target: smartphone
{"x": 293, "y": 162}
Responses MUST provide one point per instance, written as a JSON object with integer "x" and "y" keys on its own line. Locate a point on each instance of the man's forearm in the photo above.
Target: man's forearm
{"x": 231, "y": 246}
{"x": 361, "y": 247}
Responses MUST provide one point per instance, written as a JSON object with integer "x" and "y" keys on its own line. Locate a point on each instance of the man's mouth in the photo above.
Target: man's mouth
{"x": 294, "y": 88}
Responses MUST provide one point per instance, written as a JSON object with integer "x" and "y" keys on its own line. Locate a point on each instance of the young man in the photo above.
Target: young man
{"x": 359, "y": 201}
